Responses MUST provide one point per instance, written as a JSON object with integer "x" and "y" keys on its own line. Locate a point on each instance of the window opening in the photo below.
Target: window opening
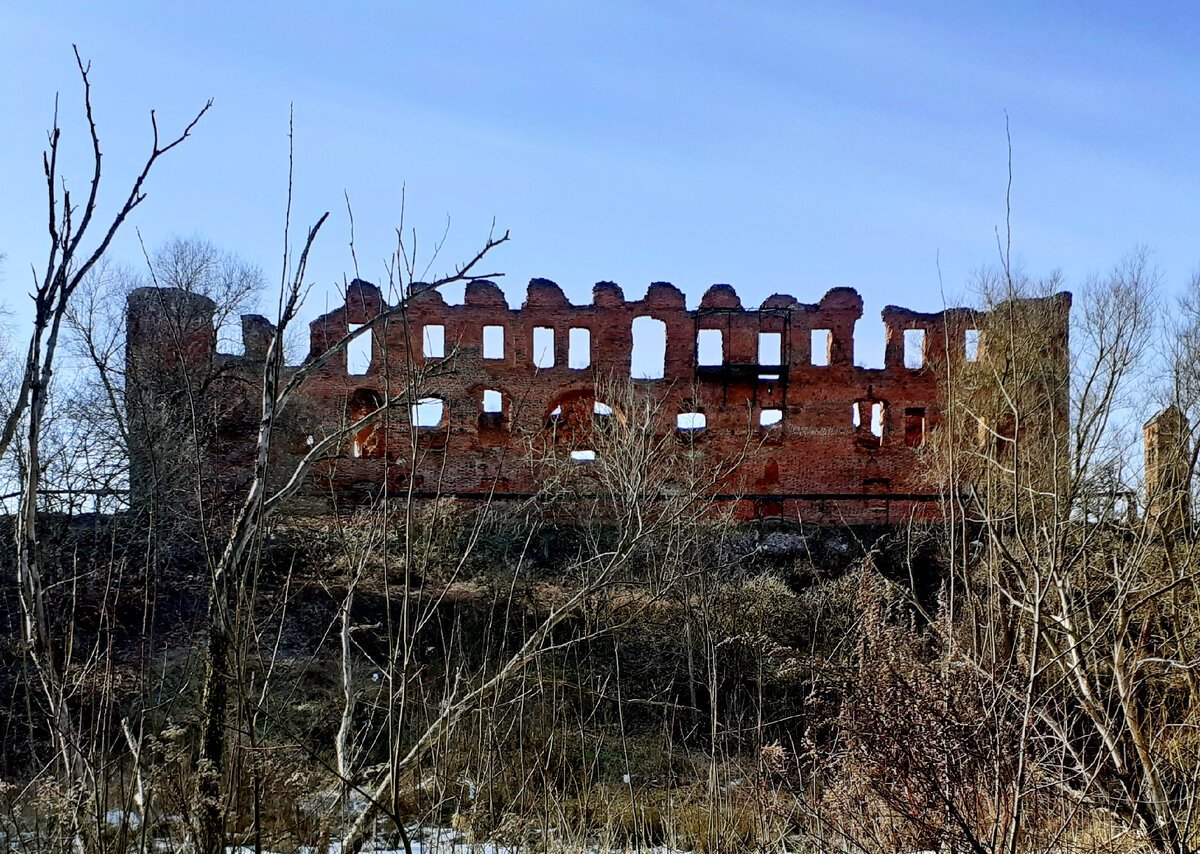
{"x": 855, "y": 417}
{"x": 822, "y": 340}
{"x": 770, "y": 348}
{"x": 914, "y": 426}
{"x": 710, "y": 348}
{"x": 427, "y": 412}
{"x": 543, "y": 347}
{"x": 434, "y": 341}
{"x": 358, "y": 352}
{"x": 493, "y": 342}
{"x": 649, "y": 357}
{"x": 601, "y": 408}
{"x": 914, "y": 348}
{"x": 877, "y": 419}
{"x": 691, "y": 421}
{"x": 583, "y": 456}
{"x": 971, "y": 345}
{"x": 579, "y": 348}
{"x": 493, "y": 401}
{"x": 770, "y": 417}
{"x": 367, "y": 441}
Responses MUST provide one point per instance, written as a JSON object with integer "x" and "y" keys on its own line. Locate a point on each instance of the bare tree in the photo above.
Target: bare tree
{"x": 72, "y": 254}
{"x": 1076, "y": 608}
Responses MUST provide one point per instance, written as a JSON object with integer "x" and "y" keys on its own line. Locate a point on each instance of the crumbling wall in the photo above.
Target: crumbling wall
{"x": 824, "y": 440}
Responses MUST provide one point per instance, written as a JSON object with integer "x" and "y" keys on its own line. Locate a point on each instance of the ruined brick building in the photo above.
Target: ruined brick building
{"x": 818, "y": 438}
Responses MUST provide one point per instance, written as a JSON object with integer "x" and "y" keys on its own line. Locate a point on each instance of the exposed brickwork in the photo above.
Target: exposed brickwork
{"x": 1168, "y": 467}
{"x": 815, "y": 464}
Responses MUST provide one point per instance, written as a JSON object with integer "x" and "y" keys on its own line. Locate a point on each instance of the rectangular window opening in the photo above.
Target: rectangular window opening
{"x": 428, "y": 412}
{"x": 877, "y": 420}
{"x": 822, "y": 339}
{"x": 648, "y": 360}
{"x": 971, "y": 345}
{"x": 691, "y": 421}
{"x": 770, "y": 417}
{"x": 358, "y": 352}
{"x": 914, "y": 426}
{"x": 434, "y": 341}
{"x": 543, "y": 347}
{"x": 579, "y": 348}
{"x": 493, "y": 401}
{"x": 493, "y": 342}
{"x": 583, "y": 456}
{"x": 914, "y": 348}
{"x": 770, "y": 348}
{"x": 710, "y": 348}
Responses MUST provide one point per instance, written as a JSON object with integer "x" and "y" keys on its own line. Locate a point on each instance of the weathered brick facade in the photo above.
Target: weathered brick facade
{"x": 824, "y": 440}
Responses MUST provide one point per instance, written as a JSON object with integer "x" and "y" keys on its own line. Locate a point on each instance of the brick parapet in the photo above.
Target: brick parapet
{"x": 815, "y": 463}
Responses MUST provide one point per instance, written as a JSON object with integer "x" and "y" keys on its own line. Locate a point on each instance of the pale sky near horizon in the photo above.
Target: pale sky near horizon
{"x": 778, "y": 147}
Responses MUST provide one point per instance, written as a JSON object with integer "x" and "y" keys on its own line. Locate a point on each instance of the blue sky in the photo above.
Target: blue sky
{"x": 786, "y": 147}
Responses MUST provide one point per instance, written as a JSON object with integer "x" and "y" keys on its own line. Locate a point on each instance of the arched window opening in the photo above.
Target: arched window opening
{"x": 491, "y": 412}
{"x": 576, "y": 416}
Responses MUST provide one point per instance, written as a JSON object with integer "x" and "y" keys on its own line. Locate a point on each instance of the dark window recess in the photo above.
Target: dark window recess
{"x": 914, "y": 426}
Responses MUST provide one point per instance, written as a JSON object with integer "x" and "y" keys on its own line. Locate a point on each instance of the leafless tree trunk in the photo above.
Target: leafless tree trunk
{"x": 68, "y": 262}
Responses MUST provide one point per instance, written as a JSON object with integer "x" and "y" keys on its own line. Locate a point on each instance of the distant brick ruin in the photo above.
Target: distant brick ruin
{"x": 825, "y": 441}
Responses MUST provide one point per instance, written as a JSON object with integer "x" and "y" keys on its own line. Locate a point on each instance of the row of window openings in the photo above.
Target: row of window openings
{"x": 914, "y": 421}
{"x": 428, "y": 413}
{"x": 648, "y": 360}
{"x": 694, "y": 422}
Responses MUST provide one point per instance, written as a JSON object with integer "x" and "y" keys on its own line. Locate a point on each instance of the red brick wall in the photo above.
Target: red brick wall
{"x": 814, "y": 465}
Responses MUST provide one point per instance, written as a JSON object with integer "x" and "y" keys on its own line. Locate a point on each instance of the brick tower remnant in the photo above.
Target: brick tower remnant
{"x": 820, "y": 439}
{"x": 1168, "y": 468}
{"x": 170, "y": 354}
